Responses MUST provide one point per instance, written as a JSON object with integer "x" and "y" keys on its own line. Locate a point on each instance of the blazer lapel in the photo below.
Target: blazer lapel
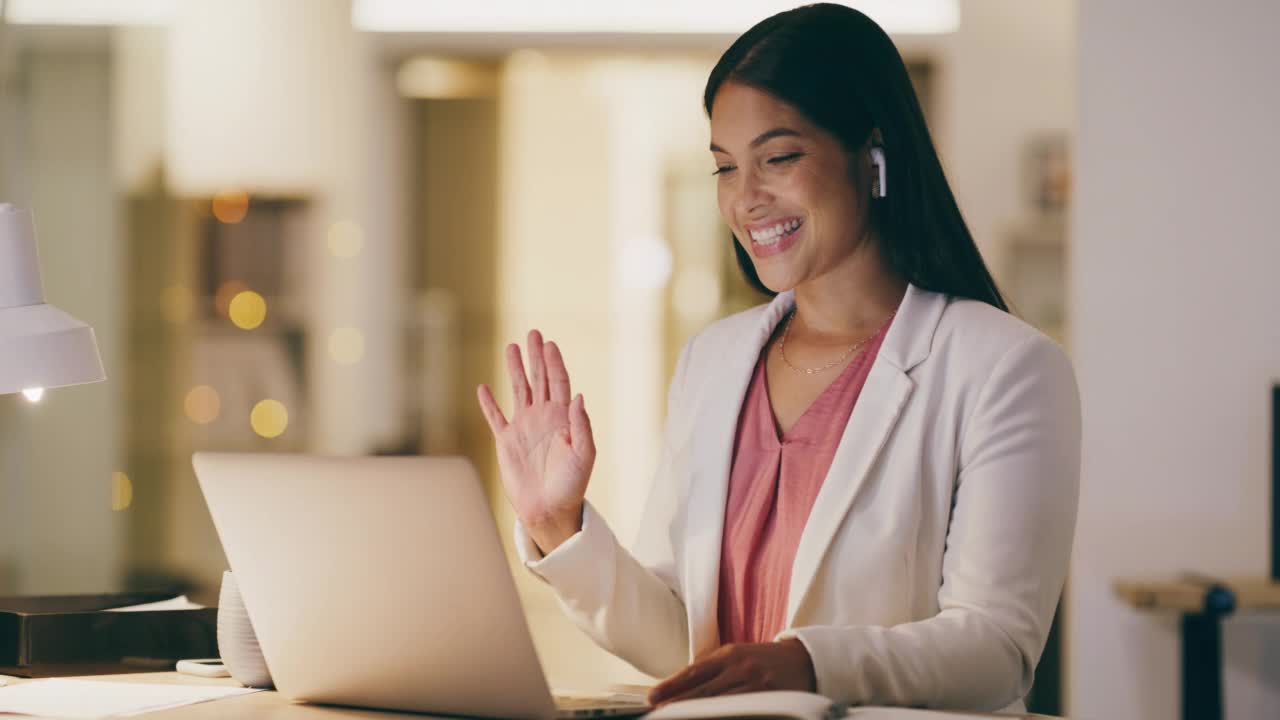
{"x": 715, "y": 427}
{"x": 874, "y": 415}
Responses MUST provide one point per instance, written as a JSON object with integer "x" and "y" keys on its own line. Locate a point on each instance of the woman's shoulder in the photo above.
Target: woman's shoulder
{"x": 983, "y": 324}
{"x": 732, "y": 328}
{"x": 981, "y": 337}
{"x": 710, "y": 346}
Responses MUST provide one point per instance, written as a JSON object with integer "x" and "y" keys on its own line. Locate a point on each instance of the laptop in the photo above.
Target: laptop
{"x": 382, "y": 583}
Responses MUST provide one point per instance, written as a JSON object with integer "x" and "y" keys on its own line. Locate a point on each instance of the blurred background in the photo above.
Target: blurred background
{"x": 312, "y": 225}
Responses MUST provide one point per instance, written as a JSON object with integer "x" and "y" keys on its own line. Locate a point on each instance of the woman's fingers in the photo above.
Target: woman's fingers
{"x": 519, "y": 383}
{"x": 537, "y": 367}
{"x": 488, "y": 406}
{"x": 557, "y": 373}
{"x": 580, "y": 436}
{"x": 692, "y": 676}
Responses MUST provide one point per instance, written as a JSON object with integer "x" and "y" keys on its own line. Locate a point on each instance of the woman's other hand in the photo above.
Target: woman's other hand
{"x": 546, "y": 450}
{"x": 740, "y": 668}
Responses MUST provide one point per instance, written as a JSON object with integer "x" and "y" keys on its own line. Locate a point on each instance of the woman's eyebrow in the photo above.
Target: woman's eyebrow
{"x": 763, "y": 138}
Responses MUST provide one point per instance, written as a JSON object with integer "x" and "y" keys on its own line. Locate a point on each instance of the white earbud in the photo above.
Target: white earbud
{"x": 877, "y": 157}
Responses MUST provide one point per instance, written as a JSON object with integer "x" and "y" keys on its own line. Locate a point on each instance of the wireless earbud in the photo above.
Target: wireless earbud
{"x": 877, "y": 157}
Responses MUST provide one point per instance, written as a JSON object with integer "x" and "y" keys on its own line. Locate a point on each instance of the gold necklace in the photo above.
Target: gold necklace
{"x": 782, "y": 347}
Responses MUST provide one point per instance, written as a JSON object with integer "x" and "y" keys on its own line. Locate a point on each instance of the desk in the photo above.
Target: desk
{"x": 1203, "y": 603}
{"x": 257, "y": 705}
{"x": 272, "y": 706}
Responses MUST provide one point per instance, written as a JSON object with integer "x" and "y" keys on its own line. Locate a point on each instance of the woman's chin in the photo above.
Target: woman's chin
{"x": 777, "y": 282}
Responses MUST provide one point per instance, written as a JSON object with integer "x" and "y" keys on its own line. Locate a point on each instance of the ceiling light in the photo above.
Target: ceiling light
{"x": 655, "y": 16}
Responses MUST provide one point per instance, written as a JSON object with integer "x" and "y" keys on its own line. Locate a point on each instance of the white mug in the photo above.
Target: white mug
{"x": 237, "y": 643}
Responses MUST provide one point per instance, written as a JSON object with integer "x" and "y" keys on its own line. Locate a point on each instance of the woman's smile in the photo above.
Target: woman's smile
{"x": 774, "y": 236}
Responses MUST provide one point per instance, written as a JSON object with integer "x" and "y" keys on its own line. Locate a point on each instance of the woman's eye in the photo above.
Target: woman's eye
{"x": 723, "y": 169}
{"x": 779, "y": 159}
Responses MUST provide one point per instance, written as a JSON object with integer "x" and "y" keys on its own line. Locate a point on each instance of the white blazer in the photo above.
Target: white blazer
{"x": 932, "y": 561}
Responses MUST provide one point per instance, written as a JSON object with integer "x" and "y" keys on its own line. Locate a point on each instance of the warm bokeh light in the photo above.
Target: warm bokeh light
{"x": 202, "y": 405}
{"x": 177, "y": 303}
{"x": 230, "y": 206}
{"x": 33, "y": 395}
{"x": 269, "y": 418}
{"x": 225, "y": 293}
{"x": 247, "y": 310}
{"x": 346, "y": 346}
{"x": 346, "y": 239}
{"x": 441, "y": 78}
{"x": 121, "y": 491}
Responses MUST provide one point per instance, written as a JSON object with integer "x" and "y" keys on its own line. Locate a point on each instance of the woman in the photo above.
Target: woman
{"x": 868, "y": 486}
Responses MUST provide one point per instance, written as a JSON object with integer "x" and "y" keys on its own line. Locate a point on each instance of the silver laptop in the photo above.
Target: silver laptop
{"x": 381, "y": 583}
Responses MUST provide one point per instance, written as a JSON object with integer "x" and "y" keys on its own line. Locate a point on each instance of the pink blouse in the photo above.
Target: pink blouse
{"x": 772, "y": 485}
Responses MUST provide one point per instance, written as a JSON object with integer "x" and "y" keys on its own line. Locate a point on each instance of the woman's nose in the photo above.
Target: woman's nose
{"x": 753, "y": 194}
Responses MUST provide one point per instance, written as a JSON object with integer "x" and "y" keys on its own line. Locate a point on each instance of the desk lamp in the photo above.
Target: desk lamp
{"x": 40, "y": 345}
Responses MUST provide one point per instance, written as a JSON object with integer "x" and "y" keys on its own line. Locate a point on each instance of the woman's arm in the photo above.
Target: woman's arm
{"x": 629, "y": 603}
{"x": 1006, "y": 558}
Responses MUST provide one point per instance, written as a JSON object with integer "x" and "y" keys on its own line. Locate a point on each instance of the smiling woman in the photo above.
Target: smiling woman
{"x": 864, "y": 101}
{"x": 867, "y": 486}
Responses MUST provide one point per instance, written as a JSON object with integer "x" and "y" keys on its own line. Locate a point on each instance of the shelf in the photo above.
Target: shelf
{"x": 1189, "y": 595}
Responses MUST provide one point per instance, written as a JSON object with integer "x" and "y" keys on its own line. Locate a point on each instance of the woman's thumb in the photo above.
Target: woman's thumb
{"x": 580, "y": 428}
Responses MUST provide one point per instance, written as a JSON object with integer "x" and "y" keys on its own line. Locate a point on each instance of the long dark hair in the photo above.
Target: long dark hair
{"x": 841, "y": 71}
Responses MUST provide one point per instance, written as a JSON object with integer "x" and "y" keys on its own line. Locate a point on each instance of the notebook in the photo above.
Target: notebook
{"x": 791, "y": 705}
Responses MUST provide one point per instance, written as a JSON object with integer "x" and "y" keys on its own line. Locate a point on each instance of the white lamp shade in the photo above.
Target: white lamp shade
{"x": 40, "y": 345}
{"x": 251, "y": 94}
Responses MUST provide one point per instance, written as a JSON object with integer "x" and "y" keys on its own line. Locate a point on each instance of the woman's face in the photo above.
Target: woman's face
{"x": 785, "y": 187}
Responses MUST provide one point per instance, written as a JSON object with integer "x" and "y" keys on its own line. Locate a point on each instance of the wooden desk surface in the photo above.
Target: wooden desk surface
{"x": 264, "y": 704}
{"x": 272, "y": 706}
{"x": 1188, "y": 596}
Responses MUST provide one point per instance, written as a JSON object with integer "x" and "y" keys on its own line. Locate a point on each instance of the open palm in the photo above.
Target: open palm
{"x": 545, "y": 450}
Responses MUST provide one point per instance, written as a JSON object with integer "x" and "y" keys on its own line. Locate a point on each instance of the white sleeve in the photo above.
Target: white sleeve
{"x": 1005, "y": 562}
{"x": 630, "y": 604}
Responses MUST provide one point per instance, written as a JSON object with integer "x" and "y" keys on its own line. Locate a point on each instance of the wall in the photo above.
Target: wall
{"x": 1176, "y": 339}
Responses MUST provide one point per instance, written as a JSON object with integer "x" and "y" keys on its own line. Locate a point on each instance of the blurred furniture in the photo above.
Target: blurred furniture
{"x": 58, "y": 636}
{"x": 1203, "y": 603}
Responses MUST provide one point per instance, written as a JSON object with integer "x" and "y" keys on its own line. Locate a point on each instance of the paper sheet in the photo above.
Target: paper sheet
{"x": 182, "y": 602}
{"x": 891, "y": 713}
{"x": 75, "y": 699}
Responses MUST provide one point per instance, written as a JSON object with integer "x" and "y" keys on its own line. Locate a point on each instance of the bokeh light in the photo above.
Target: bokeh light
{"x": 247, "y": 310}
{"x": 346, "y": 239}
{"x": 225, "y": 293}
{"x": 346, "y": 346}
{"x": 230, "y": 206}
{"x": 202, "y": 404}
{"x": 121, "y": 491}
{"x": 269, "y": 418}
{"x": 177, "y": 303}
{"x": 33, "y": 395}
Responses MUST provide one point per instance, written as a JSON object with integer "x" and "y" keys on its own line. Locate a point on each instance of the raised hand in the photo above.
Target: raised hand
{"x": 546, "y": 450}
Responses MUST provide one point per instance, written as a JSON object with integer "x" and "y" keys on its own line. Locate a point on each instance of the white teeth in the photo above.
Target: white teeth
{"x": 770, "y": 236}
